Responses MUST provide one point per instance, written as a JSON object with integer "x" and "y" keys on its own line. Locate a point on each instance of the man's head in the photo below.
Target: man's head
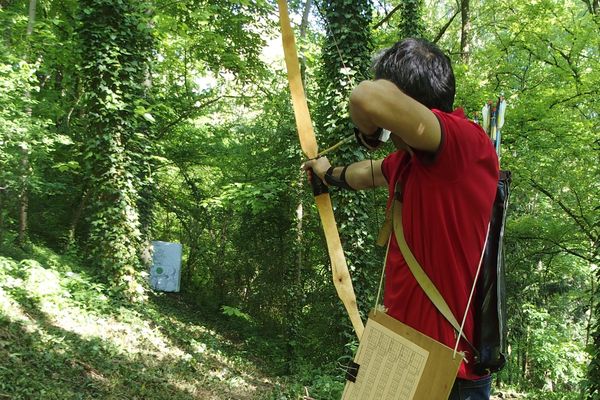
{"x": 420, "y": 70}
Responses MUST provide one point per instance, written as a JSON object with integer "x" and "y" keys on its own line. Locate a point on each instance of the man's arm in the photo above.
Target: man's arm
{"x": 380, "y": 104}
{"x": 359, "y": 175}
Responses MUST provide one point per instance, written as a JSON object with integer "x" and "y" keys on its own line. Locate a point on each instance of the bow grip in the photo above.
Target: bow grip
{"x": 318, "y": 186}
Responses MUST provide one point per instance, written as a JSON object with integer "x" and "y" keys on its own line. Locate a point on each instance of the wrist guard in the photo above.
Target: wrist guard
{"x": 339, "y": 182}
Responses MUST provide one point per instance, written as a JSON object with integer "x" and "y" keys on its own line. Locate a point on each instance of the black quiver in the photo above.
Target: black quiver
{"x": 490, "y": 312}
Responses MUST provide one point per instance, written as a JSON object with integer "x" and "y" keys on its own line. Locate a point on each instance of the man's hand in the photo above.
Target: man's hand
{"x": 318, "y": 166}
{"x": 370, "y": 143}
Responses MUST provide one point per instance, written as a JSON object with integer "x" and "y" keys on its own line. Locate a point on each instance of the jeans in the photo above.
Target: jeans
{"x": 471, "y": 390}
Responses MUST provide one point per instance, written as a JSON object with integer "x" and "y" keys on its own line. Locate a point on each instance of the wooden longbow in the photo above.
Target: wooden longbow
{"x": 308, "y": 142}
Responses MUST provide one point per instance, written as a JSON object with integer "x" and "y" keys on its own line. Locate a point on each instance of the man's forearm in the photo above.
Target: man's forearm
{"x": 381, "y": 104}
{"x": 361, "y": 175}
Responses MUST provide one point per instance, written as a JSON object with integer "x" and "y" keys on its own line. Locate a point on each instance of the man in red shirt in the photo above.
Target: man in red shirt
{"x": 448, "y": 171}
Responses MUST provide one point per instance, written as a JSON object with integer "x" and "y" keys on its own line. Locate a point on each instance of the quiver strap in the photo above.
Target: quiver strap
{"x": 421, "y": 277}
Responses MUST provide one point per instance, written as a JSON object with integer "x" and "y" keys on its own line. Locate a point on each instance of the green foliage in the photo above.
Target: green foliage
{"x": 63, "y": 336}
{"x": 545, "y": 71}
{"x": 314, "y": 383}
{"x": 24, "y": 138}
{"x": 168, "y": 121}
{"x": 234, "y": 312}
{"x": 19, "y": 132}
{"x": 549, "y": 343}
{"x": 116, "y": 47}
{"x": 217, "y": 36}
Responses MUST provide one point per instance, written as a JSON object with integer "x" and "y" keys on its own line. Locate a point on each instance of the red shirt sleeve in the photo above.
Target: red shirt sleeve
{"x": 461, "y": 145}
{"x": 391, "y": 167}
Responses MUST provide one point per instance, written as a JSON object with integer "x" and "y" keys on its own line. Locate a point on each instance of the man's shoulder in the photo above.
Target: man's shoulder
{"x": 464, "y": 145}
{"x": 456, "y": 126}
{"x": 457, "y": 119}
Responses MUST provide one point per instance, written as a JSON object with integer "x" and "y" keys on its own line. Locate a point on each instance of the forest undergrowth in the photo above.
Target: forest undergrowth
{"x": 64, "y": 336}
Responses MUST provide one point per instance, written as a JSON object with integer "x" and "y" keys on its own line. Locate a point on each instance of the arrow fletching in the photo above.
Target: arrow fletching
{"x": 501, "y": 111}
{"x": 485, "y": 118}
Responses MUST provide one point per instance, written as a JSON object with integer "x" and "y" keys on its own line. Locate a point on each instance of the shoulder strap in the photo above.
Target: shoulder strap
{"x": 422, "y": 279}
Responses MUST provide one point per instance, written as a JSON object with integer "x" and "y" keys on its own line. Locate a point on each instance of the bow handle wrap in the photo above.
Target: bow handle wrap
{"x": 308, "y": 142}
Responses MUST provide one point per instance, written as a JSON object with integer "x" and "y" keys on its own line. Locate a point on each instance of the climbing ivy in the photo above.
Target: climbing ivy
{"x": 345, "y": 61}
{"x": 116, "y": 46}
{"x": 411, "y": 21}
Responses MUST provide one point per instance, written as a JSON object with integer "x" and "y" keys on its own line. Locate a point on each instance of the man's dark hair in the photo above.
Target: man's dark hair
{"x": 421, "y": 70}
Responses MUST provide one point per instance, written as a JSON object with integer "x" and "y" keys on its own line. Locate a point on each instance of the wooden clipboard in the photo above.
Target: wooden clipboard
{"x": 396, "y": 362}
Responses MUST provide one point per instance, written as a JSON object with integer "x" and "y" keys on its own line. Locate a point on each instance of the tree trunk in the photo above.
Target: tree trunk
{"x": 24, "y": 191}
{"x": 293, "y": 279}
{"x": 24, "y": 196}
{"x": 513, "y": 364}
{"x": 299, "y": 240}
{"x": 76, "y": 218}
{"x": 303, "y": 27}
{"x": 348, "y": 46}
{"x": 305, "y": 15}
{"x": 411, "y": 23}
{"x": 116, "y": 46}
{"x": 31, "y": 22}
{"x": 465, "y": 30}
{"x": 593, "y": 6}
{"x": 593, "y": 390}
{"x": 524, "y": 366}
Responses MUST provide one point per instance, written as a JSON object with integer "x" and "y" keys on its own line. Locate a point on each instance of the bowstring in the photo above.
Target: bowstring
{"x": 335, "y": 42}
{"x": 373, "y": 188}
{"x": 347, "y": 70}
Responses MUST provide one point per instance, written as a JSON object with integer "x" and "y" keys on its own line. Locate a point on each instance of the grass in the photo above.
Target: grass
{"x": 62, "y": 336}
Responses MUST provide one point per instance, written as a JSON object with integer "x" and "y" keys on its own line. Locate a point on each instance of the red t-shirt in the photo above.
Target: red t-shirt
{"x": 447, "y": 203}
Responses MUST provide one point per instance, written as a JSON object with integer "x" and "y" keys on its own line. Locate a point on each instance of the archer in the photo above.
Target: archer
{"x": 445, "y": 173}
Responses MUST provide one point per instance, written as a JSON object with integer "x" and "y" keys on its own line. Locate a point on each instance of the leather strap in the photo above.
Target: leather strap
{"x": 386, "y": 230}
{"x": 338, "y": 182}
{"x": 422, "y": 279}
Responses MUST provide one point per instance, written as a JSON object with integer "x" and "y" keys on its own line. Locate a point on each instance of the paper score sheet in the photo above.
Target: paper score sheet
{"x": 390, "y": 366}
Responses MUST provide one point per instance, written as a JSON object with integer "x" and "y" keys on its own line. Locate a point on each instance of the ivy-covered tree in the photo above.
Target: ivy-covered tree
{"x": 346, "y": 54}
{"x": 411, "y": 19}
{"x": 116, "y": 48}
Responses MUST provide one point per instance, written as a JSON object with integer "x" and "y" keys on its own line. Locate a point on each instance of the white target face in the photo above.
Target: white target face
{"x": 166, "y": 267}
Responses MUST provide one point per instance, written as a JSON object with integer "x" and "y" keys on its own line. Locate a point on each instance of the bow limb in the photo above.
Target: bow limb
{"x": 308, "y": 142}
